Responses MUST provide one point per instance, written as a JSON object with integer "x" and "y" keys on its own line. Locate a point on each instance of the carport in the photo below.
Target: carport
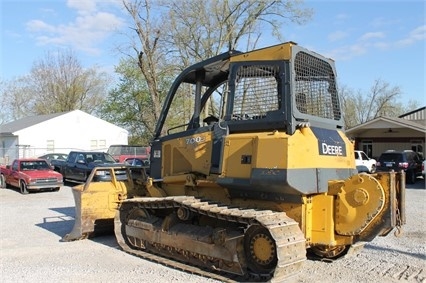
{"x": 383, "y": 133}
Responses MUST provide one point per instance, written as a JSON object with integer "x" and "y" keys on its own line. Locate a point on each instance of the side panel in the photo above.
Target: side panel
{"x": 279, "y": 164}
{"x": 186, "y": 154}
{"x": 239, "y": 156}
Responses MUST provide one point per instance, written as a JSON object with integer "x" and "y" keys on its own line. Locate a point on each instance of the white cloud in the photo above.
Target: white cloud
{"x": 372, "y": 35}
{"x": 85, "y": 32}
{"x": 417, "y": 34}
{"x": 381, "y": 45}
{"x": 347, "y": 52}
{"x": 337, "y": 35}
{"x": 39, "y": 26}
{"x": 383, "y": 22}
{"x": 371, "y": 41}
{"x": 82, "y": 6}
{"x": 342, "y": 17}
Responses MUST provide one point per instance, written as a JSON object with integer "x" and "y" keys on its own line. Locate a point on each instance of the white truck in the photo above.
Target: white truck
{"x": 361, "y": 159}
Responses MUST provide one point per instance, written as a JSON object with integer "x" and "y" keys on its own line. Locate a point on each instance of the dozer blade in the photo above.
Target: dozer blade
{"x": 96, "y": 202}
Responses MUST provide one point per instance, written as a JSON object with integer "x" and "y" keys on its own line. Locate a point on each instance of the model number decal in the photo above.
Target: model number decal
{"x": 194, "y": 140}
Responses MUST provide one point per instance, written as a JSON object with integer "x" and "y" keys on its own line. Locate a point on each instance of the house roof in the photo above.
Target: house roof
{"x": 396, "y": 122}
{"x": 412, "y": 112}
{"x": 27, "y": 122}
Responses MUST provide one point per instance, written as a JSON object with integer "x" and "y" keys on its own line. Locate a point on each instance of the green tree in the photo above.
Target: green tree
{"x": 128, "y": 104}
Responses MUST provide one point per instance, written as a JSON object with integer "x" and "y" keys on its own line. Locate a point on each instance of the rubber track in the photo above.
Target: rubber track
{"x": 289, "y": 240}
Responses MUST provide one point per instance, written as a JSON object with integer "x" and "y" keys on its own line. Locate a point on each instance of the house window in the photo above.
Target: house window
{"x": 367, "y": 147}
{"x": 102, "y": 144}
{"x": 97, "y": 144}
{"x": 93, "y": 144}
{"x": 50, "y": 145}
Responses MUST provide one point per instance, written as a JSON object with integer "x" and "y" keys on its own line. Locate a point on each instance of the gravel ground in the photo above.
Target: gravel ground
{"x": 31, "y": 227}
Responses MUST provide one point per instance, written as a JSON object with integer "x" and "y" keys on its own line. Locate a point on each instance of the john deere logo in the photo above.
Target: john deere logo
{"x": 331, "y": 149}
{"x": 329, "y": 142}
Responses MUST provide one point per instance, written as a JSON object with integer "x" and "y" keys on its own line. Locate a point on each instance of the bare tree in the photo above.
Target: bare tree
{"x": 56, "y": 83}
{"x": 381, "y": 100}
{"x": 168, "y": 36}
{"x": 202, "y": 29}
{"x": 148, "y": 54}
{"x": 59, "y": 83}
{"x": 16, "y": 99}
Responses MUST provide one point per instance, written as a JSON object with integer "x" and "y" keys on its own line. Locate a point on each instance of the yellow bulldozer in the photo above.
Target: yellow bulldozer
{"x": 258, "y": 176}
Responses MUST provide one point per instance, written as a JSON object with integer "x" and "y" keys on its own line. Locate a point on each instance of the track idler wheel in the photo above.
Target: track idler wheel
{"x": 137, "y": 214}
{"x": 329, "y": 252}
{"x": 260, "y": 250}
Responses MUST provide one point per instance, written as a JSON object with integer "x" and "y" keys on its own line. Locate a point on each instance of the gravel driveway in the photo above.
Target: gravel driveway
{"x": 31, "y": 227}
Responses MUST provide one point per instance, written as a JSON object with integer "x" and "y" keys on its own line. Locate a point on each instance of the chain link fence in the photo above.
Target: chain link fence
{"x": 7, "y": 155}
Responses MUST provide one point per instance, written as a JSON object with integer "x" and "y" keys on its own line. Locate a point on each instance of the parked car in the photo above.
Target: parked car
{"x": 51, "y": 156}
{"x": 362, "y": 169}
{"x": 122, "y": 152}
{"x": 79, "y": 164}
{"x": 136, "y": 164}
{"x": 30, "y": 174}
{"x": 132, "y": 161}
{"x": 361, "y": 158}
{"x": 423, "y": 169}
{"x": 407, "y": 160}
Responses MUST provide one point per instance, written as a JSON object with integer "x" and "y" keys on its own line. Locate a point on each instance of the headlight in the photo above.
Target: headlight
{"x": 100, "y": 173}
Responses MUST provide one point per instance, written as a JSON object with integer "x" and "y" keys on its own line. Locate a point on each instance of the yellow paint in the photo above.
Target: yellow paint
{"x": 187, "y": 154}
{"x": 277, "y": 150}
{"x": 322, "y": 220}
{"x": 236, "y": 146}
{"x": 359, "y": 201}
{"x": 276, "y": 52}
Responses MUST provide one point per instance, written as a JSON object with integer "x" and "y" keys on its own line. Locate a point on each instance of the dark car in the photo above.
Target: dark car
{"x": 407, "y": 160}
{"x": 79, "y": 164}
{"x": 51, "y": 156}
{"x": 136, "y": 163}
{"x": 132, "y": 161}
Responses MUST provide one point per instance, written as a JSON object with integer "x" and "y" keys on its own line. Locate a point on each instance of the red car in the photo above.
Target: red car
{"x": 30, "y": 174}
{"x": 123, "y": 152}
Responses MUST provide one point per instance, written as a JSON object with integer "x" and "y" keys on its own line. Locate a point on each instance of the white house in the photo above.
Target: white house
{"x": 59, "y": 132}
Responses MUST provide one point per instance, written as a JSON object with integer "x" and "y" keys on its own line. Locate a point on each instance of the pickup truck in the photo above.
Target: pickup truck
{"x": 121, "y": 152}
{"x": 30, "y": 174}
{"x": 361, "y": 159}
{"x": 79, "y": 164}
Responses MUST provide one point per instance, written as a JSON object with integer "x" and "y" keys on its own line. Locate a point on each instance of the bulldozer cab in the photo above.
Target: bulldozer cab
{"x": 277, "y": 88}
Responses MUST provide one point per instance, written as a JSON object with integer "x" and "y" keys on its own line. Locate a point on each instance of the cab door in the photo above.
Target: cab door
{"x": 14, "y": 177}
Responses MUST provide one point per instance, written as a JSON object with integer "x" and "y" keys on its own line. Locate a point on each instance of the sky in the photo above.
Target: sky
{"x": 368, "y": 40}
